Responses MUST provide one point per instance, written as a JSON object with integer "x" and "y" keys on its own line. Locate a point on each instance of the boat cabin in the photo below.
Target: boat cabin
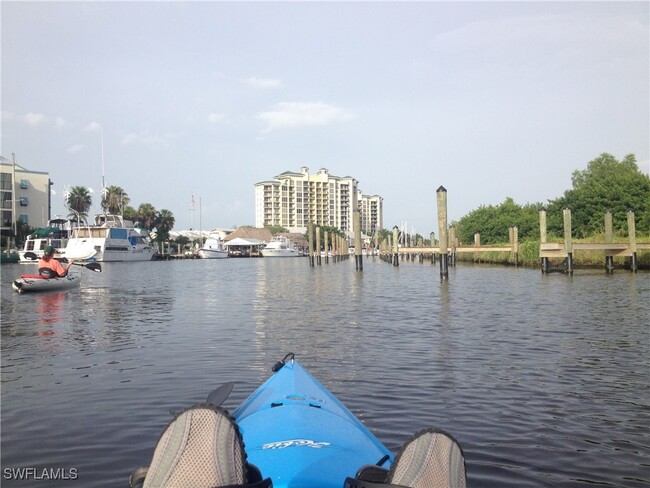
{"x": 110, "y": 220}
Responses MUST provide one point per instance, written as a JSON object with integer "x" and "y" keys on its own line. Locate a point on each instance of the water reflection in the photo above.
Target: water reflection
{"x": 50, "y": 309}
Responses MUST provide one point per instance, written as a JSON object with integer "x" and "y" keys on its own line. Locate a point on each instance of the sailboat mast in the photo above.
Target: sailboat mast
{"x": 103, "y": 182}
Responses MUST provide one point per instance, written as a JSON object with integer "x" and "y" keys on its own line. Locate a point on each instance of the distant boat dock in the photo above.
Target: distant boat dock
{"x": 448, "y": 246}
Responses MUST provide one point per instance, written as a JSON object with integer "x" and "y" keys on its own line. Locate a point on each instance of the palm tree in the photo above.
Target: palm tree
{"x": 129, "y": 213}
{"x": 79, "y": 202}
{"x": 165, "y": 220}
{"x": 383, "y": 234}
{"x": 114, "y": 199}
{"x": 147, "y": 215}
{"x": 164, "y": 223}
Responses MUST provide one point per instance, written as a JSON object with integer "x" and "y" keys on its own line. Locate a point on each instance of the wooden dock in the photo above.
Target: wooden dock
{"x": 447, "y": 246}
{"x": 565, "y": 250}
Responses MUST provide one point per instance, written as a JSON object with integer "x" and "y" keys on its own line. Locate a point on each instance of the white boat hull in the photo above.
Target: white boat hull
{"x": 280, "y": 247}
{"x": 126, "y": 255}
{"x": 212, "y": 254}
{"x": 56, "y": 234}
{"x": 102, "y": 253}
{"x": 112, "y": 239}
{"x": 213, "y": 249}
{"x": 30, "y": 283}
{"x": 37, "y": 246}
{"x": 281, "y": 253}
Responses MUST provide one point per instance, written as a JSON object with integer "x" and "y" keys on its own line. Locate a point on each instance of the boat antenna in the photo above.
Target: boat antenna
{"x": 104, "y": 192}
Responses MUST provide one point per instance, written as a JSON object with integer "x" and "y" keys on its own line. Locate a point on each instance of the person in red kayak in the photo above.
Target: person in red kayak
{"x": 50, "y": 267}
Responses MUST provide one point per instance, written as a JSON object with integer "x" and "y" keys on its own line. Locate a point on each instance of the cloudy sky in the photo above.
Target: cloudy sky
{"x": 205, "y": 99}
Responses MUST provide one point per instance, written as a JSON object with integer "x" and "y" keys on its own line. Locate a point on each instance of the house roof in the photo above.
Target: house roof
{"x": 241, "y": 241}
{"x": 297, "y": 238}
{"x": 262, "y": 235}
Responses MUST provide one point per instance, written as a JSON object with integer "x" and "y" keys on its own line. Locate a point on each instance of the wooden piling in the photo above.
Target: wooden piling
{"x": 631, "y": 232}
{"x": 432, "y": 236}
{"x": 318, "y": 245}
{"x": 542, "y": 237}
{"x": 441, "y": 196}
{"x": 453, "y": 244}
{"x": 609, "y": 258}
{"x": 326, "y": 242}
{"x": 358, "y": 256}
{"x": 568, "y": 242}
{"x": 311, "y": 243}
{"x": 395, "y": 246}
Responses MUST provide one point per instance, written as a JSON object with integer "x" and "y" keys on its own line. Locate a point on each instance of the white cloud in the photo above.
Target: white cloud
{"x": 215, "y": 117}
{"x": 153, "y": 141}
{"x": 93, "y": 127}
{"x": 264, "y": 83}
{"x": 34, "y": 120}
{"x": 75, "y": 149}
{"x": 302, "y": 114}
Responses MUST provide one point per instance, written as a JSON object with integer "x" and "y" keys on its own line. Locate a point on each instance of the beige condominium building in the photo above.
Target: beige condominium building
{"x": 25, "y": 196}
{"x": 293, "y": 199}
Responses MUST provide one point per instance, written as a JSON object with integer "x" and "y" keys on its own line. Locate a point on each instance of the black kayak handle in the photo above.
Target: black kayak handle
{"x": 280, "y": 364}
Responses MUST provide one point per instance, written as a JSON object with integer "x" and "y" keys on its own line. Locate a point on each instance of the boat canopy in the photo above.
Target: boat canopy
{"x": 240, "y": 241}
{"x": 44, "y": 232}
{"x": 110, "y": 220}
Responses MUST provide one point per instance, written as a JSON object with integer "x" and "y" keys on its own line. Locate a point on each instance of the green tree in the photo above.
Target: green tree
{"x": 182, "y": 242}
{"x": 493, "y": 222}
{"x": 147, "y": 215}
{"x": 79, "y": 202}
{"x": 164, "y": 223}
{"x": 384, "y": 234}
{"x": 114, "y": 200}
{"x": 275, "y": 229}
{"x": 130, "y": 213}
{"x": 332, "y": 231}
{"x": 606, "y": 184}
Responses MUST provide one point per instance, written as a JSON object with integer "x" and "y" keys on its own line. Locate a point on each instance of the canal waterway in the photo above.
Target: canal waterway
{"x": 544, "y": 379}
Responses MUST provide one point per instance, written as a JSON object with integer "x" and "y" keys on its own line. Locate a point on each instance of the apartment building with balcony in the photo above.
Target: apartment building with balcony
{"x": 24, "y": 196}
{"x": 372, "y": 213}
{"x": 293, "y": 199}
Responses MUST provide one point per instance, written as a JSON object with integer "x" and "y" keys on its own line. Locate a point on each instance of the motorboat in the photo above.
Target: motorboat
{"x": 213, "y": 248}
{"x": 114, "y": 238}
{"x": 56, "y": 234}
{"x": 280, "y": 247}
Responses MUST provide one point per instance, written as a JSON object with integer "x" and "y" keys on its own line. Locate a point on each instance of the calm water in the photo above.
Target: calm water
{"x": 545, "y": 380}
